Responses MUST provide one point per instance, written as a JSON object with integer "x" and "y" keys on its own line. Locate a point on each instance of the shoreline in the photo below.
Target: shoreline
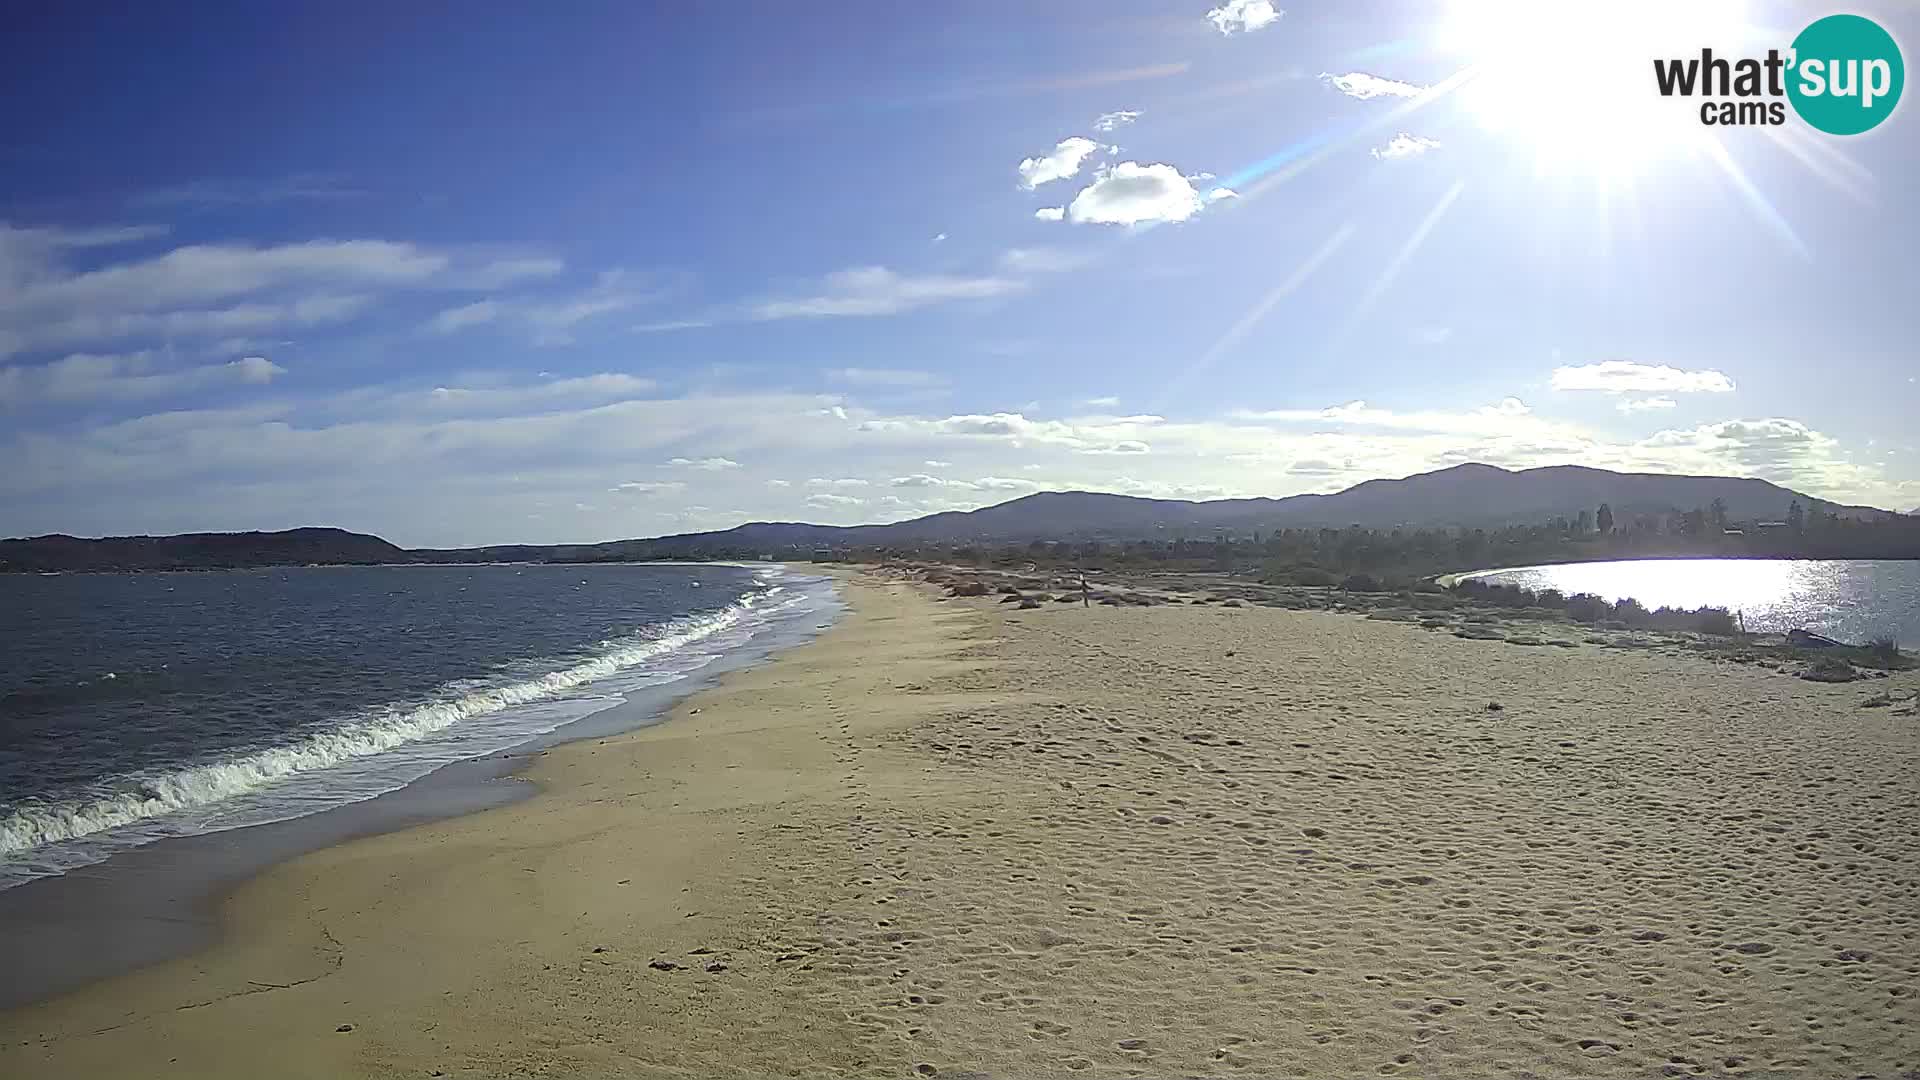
{"x": 954, "y": 837}
{"x": 161, "y": 901}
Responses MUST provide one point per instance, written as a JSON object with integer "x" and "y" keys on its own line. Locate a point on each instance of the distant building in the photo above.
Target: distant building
{"x": 1763, "y": 526}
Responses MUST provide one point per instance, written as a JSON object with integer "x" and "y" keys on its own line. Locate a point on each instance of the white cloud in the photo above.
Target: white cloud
{"x": 581, "y": 390}
{"x": 706, "y": 464}
{"x": 1404, "y": 145}
{"x": 854, "y": 376}
{"x": 1119, "y": 118}
{"x": 1510, "y": 417}
{"x": 459, "y": 318}
{"x": 1244, "y": 15}
{"x": 209, "y": 194}
{"x": 1359, "y": 84}
{"x": 215, "y": 289}
{"x": 922, "y": 480}
{"x": 203, "y": 273}
{"x": 848, "y": 482}
{"x": 1633, "y": 405}
{"x": 125, "y": 377}
{"x": 503, "y": 272}
{"x": 470, "y": 470}
{"x": 1061, "y": 164}
{"x": 1041, "y": 260}
{"x": 554, "y": 322}
{"x": 833, "y": 502}
{"x": 876, "y": 290}
{"x": 1131, "y": 194}
{"x": 779, "y": 483}
{"x": 1627, "y": 377}
{"x": 1102, "y": 402}
{"x": 1050, "y": 213}
{"x": 939, "y": 237}
{"x": 648, "y": 488}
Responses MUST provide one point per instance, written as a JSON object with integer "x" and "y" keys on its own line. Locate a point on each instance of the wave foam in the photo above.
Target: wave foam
{"x": 199, "y": 786}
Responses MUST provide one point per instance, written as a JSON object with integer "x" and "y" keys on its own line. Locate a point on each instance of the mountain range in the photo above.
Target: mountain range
{"x": 1465, "y": 496}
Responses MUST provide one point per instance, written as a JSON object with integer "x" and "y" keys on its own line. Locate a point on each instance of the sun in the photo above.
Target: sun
{"x": 1571, "y": 84}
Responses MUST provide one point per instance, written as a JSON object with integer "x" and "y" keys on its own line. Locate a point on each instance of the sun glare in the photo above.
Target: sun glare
{"x": 1572, "y": 84}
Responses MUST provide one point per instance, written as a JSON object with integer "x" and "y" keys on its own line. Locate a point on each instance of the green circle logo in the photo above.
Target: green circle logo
{"x": 1846, "y": 74}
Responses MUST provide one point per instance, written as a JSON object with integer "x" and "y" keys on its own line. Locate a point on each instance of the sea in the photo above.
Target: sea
{"x": 1854, "y": 600}
{"x": 142, "y": 708}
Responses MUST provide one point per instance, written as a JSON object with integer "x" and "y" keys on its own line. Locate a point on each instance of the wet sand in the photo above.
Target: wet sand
{"x": 952, "y": 837}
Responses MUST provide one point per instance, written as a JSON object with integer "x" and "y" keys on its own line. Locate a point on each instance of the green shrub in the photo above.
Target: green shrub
{"x": 1714, "y": 620}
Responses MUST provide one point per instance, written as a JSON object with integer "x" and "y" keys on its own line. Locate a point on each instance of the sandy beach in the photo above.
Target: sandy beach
{"x": 951, "y": 838}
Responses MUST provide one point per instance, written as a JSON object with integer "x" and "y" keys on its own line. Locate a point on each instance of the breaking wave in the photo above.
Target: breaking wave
{"x": 190, "y": 799}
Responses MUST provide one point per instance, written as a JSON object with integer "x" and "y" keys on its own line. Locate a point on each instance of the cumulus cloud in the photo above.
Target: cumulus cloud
{"x": 705, "y": 464}
{"x": 1404, "y": 145}
{"x": 1132, "y": 194}
{"x": 876, "y": 290}
{"x": 1063, "y": 163}
{"x": 1244, "y": 16}
{"x": 845, "y": 482}
{"x": 1634, "y": 405}
{"x": 1627, "y": 377}
{"x": 1050, "y": 213}
{"x": 1119, "y": 118}
{"x": 1359, "y": 84}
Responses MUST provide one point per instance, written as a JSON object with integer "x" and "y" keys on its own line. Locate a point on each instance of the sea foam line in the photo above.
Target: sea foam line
{"x": 195, "y": 786}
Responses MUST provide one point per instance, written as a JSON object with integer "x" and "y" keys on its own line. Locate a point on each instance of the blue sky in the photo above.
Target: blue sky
{"x": 475, "y": 274}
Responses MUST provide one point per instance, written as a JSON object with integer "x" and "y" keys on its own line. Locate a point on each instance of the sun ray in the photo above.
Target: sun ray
{"x": 1756, "y": 200}
{"x": 1391, "y": 272}
{"x": 1258, "y": 312}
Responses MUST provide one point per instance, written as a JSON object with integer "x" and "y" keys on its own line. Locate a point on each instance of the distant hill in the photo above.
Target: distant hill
{"x": 1465, "y": 496}
{"x": 196, "y": 551}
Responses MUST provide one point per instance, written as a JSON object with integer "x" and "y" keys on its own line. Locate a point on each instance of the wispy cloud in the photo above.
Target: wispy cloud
{"x": 1244, "y": 16}
{"x": 84, "y": 377}
{"x": 1119, "y": 118}
{"x": 1634, "y": 405}
{"x": 208, "y": 194}
{"x": 875, "y": 290}
{"x": 705, "y": 464}
{"x": 855, "y": 376}
{"x": 1359, "y": 84}
{"x": 467, "y": 315}
{"x": 1050, "y": 213}
{"x": 1404, "y": 145}
{"x": 1627, "y": 377}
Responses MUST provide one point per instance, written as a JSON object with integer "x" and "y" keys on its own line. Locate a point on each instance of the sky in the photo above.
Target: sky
{"x": 486, "y": 273}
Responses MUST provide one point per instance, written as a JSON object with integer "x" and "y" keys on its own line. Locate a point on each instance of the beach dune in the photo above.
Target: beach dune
{"x": 953, "y": 837}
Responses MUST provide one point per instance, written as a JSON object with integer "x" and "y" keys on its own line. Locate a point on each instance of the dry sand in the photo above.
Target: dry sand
{"x": 953, "y": 838}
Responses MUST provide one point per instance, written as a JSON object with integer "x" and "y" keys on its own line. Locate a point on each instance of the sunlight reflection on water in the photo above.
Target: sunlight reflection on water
{"x": 1855, "y": 600}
